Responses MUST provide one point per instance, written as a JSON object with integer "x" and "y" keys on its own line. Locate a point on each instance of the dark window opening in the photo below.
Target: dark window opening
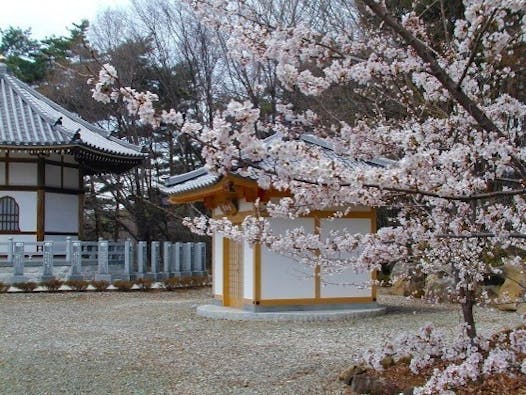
{"x": 9, "y": 215}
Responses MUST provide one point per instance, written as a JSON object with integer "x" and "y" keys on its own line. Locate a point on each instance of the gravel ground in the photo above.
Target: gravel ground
{"x": 154, "y": 343}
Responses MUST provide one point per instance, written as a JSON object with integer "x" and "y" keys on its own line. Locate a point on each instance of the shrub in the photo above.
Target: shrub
{"x": 77, "y": 285}
{"x": 28, "y": 286}
{"x": 123, "y": 285}
{"x": 100, "y": 285}
{"x": 186, "y": 282}
{"x": 202, "y": 281}
{"x": 171, "y": 284}
{"x": 52, "y": 285}
{"x": 144, "y": 284}
{"x": 4, "y": 287}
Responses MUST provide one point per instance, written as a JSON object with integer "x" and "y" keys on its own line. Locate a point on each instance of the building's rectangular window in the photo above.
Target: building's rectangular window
{"x": 9, "y": 215}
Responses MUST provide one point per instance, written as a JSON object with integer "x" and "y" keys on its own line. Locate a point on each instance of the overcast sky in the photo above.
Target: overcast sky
{"x": 51, "y": 17}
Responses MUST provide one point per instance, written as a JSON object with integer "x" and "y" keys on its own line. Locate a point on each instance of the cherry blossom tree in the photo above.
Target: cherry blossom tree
{"x": 448, "y": 114}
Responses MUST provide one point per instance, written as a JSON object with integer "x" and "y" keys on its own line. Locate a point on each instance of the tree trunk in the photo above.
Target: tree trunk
{"x": 467, "y": 302}
{"x": 467, "y": 314}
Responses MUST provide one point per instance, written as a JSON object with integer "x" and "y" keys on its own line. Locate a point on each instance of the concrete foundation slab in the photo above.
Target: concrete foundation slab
{"x": 229, "y": 313}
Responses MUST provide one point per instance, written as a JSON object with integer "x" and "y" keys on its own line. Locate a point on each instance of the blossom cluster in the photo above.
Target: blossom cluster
{"x": 456, "y": 165}
{"x": 461, "y": 359}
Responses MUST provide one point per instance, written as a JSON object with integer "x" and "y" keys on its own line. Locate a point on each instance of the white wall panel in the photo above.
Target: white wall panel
{"x": 71, "y": 178}
{"x": 337, "y": 285}
{"x": 248, "y": 271}
{"x": 27, "y": 204}
{"x": 61, "y": 213}
{"x": 53, "y": 176}
{"x": 217, "y": 264}
{"x": 283, "y": 277}
{"x": 2, "y": 173}
{"x": 22, "y": 174}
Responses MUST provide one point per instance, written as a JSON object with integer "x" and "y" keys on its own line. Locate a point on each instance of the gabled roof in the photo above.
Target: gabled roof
{"x": 195, "y": 179}
{"x": 202, "y": 179}
{"x": 30, "y": 121}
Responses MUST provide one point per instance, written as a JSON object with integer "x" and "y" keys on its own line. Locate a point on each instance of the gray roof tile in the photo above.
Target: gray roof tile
{"x": 193, "y": 180}
{"x": 29, "y": 119}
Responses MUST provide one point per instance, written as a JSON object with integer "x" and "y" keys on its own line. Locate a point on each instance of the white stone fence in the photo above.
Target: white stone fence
{"x": 99, "y": 260}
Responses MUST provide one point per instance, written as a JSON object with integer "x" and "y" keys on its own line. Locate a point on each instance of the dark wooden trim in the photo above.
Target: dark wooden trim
{"x": 65, "y": 191}
{"x": 12, "y": 232}
{"x": 63, "y": 164}
{"x": 81, "y": 216}
{"x": 7, "y": 168}
{"x": 35, "y": 160}
{"x": 82, "y": 199}
{"x": 25, "y": 232}
{"x": 41, "y": 199}
{"x": 62, "y": 171}
{"x": 62, "y": 233}
{"x": 23, "y": 188}
{"x": 41, "y": 173}
{"x": 41, "y": 214}
{"x": 20, "y": 160}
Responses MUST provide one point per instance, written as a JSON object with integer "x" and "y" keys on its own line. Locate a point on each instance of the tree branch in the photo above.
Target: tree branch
{"x": 427, "y": 55}
{"x": 481, "y": 235}
{"x": 473, "y": 50}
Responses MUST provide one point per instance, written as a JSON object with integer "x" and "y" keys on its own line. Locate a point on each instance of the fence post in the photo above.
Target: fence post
{"x": 141, "y": 258}
{"x": 202, "y": 246}
{"x": 76, "y": 261}
{"x": 177, "y": 250}
{"x": 167, "y": 259}
{"x": 10, "y": 249}
{"x": 154, "y": 259}
{"x": 47, "y": 258}
{"x": 102, "y": 260}
{"x": 128, "y": 260}
{"x": 198, "y": 267}
{"x": 68, "y": 249}
{"x": 186, "y": 267}
{"x": 18, "y": 263}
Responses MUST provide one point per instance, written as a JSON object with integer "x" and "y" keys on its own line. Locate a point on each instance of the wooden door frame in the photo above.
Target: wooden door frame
{"x": 227, "y": 301}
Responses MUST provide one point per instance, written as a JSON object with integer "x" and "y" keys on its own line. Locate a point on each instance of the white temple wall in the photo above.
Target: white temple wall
{"x": 337, "y": 285}
{"x": 61, "y": 213}
{"x": 71, "y": 178}
{"x": 27, "y": 204}
{"x": 22, "y": 173}
{"x": 53, "y": 176}
{"x": 283, "y": 277}
{"x": 248, "y": 271}
{"x": 2, "y": 173}
{"x": 217, "y": 263}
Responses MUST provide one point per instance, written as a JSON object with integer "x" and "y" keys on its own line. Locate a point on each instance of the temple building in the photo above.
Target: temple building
{"x": 254, "y": 278}
{"x": 45, "y": 152}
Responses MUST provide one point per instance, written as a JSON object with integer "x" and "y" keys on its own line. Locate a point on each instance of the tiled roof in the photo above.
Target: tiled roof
{"x": 201, "y": 178}
{"x": 28, "y": 119}
{"x": 195, "y": 179}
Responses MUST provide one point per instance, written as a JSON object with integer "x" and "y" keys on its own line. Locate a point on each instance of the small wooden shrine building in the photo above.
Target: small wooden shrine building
{"x": 257, "y": 279}
{"x": 44, "y": 153}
